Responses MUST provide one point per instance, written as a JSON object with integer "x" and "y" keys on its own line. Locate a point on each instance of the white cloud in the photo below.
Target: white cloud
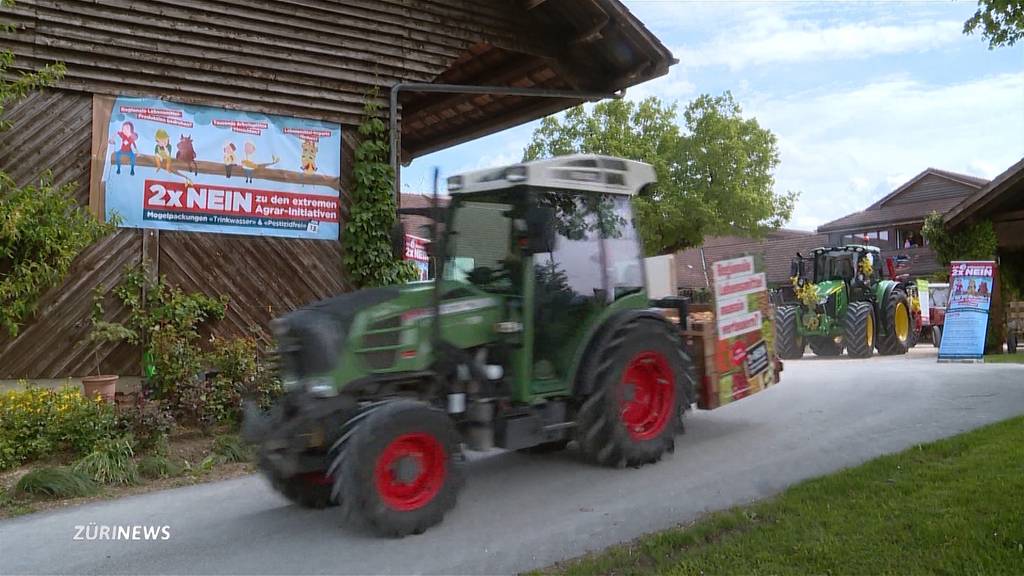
{"x": 845, "y": 149}
{"x": 780, "y": 40}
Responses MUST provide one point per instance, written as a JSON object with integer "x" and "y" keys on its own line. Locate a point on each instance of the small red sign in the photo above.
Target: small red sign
{"x": 739, "y": 353}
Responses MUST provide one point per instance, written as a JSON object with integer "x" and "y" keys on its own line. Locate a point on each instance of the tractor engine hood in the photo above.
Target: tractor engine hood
{"x": 828, "y": 288}
{"x": 309, "y": 340}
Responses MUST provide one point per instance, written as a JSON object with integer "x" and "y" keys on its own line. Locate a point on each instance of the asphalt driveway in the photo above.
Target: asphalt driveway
{"x": 520, "y": 512}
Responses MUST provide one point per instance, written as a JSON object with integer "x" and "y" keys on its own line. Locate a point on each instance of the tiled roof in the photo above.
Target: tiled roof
{"x": 414, "y": 224}
{"x": 896, "y": 214}
{"x": 777, "y": 253}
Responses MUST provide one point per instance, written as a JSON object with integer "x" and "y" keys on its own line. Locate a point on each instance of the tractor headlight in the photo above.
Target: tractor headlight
{"x": 321, "y": 386}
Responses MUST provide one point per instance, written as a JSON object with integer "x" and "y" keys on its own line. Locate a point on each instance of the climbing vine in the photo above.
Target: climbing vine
{"x": 367, "y": 237}
{"x": 42, "y": 228}
{"x": 974, "y": 242}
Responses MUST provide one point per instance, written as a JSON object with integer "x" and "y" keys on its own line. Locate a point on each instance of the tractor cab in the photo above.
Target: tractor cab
{"x": 555, "y": 239}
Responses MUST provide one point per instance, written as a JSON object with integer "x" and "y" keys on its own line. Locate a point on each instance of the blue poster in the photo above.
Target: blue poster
{"x": 174, "y": 166}
{"x": 971, "y": 285}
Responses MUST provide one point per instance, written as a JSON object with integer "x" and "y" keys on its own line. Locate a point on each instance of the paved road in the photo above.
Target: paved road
{"x": 520, "y": 512}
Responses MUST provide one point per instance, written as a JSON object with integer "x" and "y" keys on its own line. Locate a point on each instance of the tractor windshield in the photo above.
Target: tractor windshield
{"x": 834, "y": 266}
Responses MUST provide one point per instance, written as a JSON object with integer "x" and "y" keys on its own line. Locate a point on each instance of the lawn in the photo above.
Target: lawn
{"x": 952, "y": 507}
{"x": 1015, "y": 358}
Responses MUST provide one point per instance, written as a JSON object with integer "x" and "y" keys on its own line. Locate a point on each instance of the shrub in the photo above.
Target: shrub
{"x": 59, "y": 482}
{"x": 158, "y": 466}
{"x": 110, "y": 462}
{"x": 230, "y": 449}
{"x": 148, "y": 422}
{"x": 41, "y": 422}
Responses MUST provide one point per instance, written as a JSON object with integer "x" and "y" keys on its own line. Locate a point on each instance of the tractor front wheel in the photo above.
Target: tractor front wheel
{"x": 823, "y": 346}
{"x": 898, "y": 325}
{"x": 789, "y": 344}
{"x": 632, "y": 416}
{"x": 859, "y": 329}
{"x": 311, "y": 490}
{"x": 936, "y": 336}
{"x": 396, "y": 472}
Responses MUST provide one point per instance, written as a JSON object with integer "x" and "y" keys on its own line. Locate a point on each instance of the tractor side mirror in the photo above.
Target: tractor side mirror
{"x": 540, "y": 229}
{"x": 796, "y": 268}
{"x": 398, "y": 240}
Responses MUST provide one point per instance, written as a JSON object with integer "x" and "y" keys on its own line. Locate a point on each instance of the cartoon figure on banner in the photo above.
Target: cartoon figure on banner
{"x": 983, "y": 290}
{"x": 972, "y": 288}
{"x": 128, "y": 147}
{"x": 249, "y": 165}
{"x": 187, "y": 153}
{"x": 162, "y": 150}
{"x": 308, "y": 160}
{"x": 230, "y": 157}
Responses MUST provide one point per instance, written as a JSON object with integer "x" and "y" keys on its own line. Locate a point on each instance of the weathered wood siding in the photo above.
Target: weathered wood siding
{"x": 314, "y": 58}
{"x": 932, "y": 187}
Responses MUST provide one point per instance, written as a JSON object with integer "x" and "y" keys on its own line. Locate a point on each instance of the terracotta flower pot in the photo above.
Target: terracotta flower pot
{"x": 104, "y": 385}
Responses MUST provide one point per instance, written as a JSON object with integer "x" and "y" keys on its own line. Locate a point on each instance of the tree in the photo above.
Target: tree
{"x": 1001, "y": 22}
{"x": 714, "y": 178}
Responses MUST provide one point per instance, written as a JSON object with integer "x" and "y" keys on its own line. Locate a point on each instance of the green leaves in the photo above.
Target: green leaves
{"x": 975, "y": 242}
{"x": 714, "y": 177}
{"x": 367, "y": 236}
{"x": 42, "y": 231}
{"x": 1001, "y": 22}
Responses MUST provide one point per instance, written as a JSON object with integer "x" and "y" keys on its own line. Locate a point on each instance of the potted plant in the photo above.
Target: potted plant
{"x": 104, "y": 332}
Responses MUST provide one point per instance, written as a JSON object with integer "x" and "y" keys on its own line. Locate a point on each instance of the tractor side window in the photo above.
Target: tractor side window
{"x": 624, "y": 260}
{"x": 568, "y": 282}
{"x": 479, "y": 243}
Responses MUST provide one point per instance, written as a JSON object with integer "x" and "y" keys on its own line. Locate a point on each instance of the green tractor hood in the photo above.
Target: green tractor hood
{"x": 828, "y": 288}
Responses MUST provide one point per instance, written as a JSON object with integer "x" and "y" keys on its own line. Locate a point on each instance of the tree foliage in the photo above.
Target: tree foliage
{"x": 975, "y": 242}
{"x": 367, "y": 238}
{"x": 714, "y": 177}
{"x": 1001, "y": 22}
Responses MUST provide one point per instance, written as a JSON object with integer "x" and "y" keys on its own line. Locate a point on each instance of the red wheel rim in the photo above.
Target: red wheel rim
{"x": 411, "y": 471}
{"x": 648, "y": 395}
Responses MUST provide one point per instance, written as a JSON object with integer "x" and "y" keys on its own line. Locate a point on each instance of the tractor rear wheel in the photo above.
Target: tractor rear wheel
{"x": 311, "y": 490}
{"x": 632, "y": 416}
{"x": 395, "y": 473}
{"x": 898, "y": 325}
{"x": 789, "y": 344}
{"x": 824, "y": 346}
{"x": 859, "y": 329}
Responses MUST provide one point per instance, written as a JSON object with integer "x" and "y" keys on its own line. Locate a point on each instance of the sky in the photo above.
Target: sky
{"x": 861, "y": 95}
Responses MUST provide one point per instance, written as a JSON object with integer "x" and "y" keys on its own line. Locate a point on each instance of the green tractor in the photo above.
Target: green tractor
{"x": 537, "y": 331}
{"x": 843, "y": 305}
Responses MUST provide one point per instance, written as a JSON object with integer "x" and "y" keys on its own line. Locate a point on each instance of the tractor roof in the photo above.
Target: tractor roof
{"x": 858, "y": 248}
{"x": 585, "y": 172}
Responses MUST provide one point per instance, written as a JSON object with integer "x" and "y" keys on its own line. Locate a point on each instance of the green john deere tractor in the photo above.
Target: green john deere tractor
{"x": 843, "y": 305}
{"x": 537, "y": 331}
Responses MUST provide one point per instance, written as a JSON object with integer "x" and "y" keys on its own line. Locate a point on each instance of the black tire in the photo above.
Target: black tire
{"x": 789, "y": 344}
{"x": 651, "y": 352}
{"x": 859, "y": 329}
{"x": 370, "y": 496}
{"x": 1011, "y": 343}
{"x": 822, "y": 346}
{"x": 306, "y": 490}
{"x": 890, "y": 343}
{"x": 936, "y": 336}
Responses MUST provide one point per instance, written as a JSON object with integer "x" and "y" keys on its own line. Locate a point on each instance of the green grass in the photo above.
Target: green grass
{"x": 1015, "y": 358}
{"x": 110, "y": 462}
{"x": 56, "y": 483}
{"x": 955, "y": 506}
{"x": 159, "y": 466}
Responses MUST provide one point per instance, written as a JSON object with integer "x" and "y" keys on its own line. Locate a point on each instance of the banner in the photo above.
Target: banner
{"x": 924, "y": 297}
{"x": 743, "y": 354}
{"x": 173, "y": 166}
{"x": 971, "y": 286}
{"x": 416, "y": 251}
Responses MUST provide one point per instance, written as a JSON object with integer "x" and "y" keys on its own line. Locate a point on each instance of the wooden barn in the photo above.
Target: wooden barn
{"x": 230, "y": 64}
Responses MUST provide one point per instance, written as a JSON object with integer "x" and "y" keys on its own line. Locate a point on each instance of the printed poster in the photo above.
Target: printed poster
{"x": 172, "y": 166}
{"x": 743, "y": 354}
{"x": 416, "y": 251}
{"x": 970, "y": 294}
{"x": 925, "y": 300}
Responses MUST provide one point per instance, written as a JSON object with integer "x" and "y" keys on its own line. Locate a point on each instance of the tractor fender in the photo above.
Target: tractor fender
{"x": 598, "y": 336}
